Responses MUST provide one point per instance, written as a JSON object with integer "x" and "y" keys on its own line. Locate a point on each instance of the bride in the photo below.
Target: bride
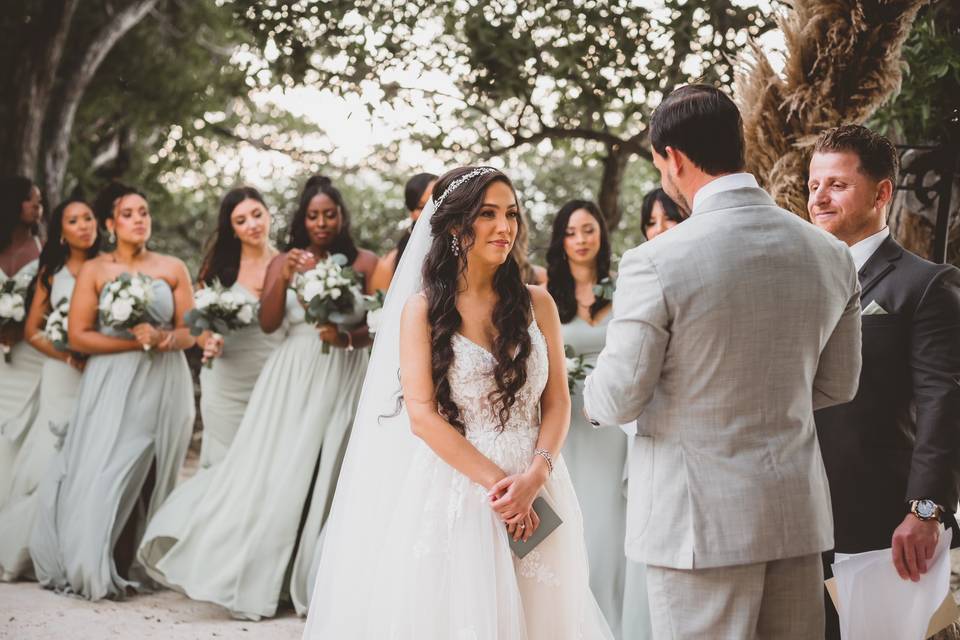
{"x": 436, "y": 482}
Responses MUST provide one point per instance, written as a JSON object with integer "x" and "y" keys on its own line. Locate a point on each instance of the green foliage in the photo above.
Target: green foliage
{"x": 928, "y": 104}
{"x": 498, "y": 75}
{"x": 519, "y": 68}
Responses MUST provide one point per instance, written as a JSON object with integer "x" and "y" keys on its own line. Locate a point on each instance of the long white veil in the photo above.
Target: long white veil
{"x": 375, "y": 466}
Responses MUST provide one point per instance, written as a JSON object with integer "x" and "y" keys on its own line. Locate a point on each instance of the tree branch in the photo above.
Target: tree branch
{"x": 34, "y": 85}
{"x": 76, "y": 84}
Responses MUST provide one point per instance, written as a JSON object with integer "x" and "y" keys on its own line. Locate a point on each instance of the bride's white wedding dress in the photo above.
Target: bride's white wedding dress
{"x": 445, "y": 569}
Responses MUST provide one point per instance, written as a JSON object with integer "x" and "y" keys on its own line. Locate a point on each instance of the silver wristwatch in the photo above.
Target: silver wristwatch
{"x": 926, "y": 509}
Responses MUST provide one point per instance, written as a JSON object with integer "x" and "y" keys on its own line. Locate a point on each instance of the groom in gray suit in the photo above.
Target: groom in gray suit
{"x": 728, "y": 331}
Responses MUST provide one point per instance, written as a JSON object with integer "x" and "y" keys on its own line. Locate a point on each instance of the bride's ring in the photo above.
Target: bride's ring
{"x": 522, "y": 526}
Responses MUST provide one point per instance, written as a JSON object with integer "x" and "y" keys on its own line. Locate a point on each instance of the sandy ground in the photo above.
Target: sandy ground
{"x": 28, "y": 612}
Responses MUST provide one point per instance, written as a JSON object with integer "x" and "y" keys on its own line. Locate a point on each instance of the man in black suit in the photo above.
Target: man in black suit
{"x": 892, "y": 454}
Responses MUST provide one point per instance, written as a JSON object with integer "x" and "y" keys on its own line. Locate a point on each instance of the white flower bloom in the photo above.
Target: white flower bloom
{"x": 571, "y": 364}
{"x": 245, "y": 315}
{"x": 137, "y": 291}
{"x": 121, "y": 310}
{"x": 334, "y": 294}
{"x": 203, "y": 298}
{"x": 313, "y": 289}
{"x": 7, "y": 305}
{"x": 373, "y": 319}
{"x": 229, "y": 300}
{"x": 18, "y": 313}
{"x": 124, "y": 294}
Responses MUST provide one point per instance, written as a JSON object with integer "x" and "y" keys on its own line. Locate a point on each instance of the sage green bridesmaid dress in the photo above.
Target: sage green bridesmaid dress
{"x": 243, "y": 534}
{"x": 127, "y": 440}
{"x": 59, "y": 384}
{"x": 19, "y": 393}
{"x": 597, "y": 461}
{"x": 225, "y": 387}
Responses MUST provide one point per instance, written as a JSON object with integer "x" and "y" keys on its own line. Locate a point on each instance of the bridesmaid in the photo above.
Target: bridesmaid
{"x": 416, "y": 194}
{"x": 71, "y": 241}
{"x": 577, "y": 259}
{"x": 131, "y": 426}
{"x": 20, "y": 213}
{"x": 658, "y": 213}
{"x": 238, "y": 255}
{"x": 245, "y": 534}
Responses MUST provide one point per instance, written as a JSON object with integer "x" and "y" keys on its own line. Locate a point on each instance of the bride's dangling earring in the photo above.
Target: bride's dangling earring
{"x": 111, "y": 237}
{"x": 454, "y": 244}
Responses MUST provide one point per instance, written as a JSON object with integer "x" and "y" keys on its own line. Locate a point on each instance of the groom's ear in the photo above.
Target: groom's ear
{"x": 676, "y": 160}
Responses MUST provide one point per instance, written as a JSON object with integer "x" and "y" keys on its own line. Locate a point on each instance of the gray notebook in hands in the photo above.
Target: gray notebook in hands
{"x": 549, "y": 521}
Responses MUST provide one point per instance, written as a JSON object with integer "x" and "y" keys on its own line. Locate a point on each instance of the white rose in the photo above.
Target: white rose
{"x": 7, "y": 304}
{"x": 333, "y": 281}
{"x": 334, "y": 294}
{"x": 373, "y": 319}
{"x": 18, "y": 313}
{"x": 124, "y": 294}
{"x": 120, "y": 310}
{"x": 229, "y": 300}
{"x": 571, "y": 364}
{"x": 313, "y": 289}
{"x": 245, "y": 315}
{"x": 203, "y": 298}
{"x": 137, "y": 291}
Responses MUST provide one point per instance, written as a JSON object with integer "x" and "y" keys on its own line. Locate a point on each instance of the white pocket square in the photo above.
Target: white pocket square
{"x": 873, "y": 309}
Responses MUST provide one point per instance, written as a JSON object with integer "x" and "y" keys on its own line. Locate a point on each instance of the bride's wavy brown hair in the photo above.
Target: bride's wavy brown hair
{"x": 442, "y": 269}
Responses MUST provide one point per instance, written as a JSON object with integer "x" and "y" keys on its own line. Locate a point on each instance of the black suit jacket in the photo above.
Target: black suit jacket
{"x": 899, "y": 439}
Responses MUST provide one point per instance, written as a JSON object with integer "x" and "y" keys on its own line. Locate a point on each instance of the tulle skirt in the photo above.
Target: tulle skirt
{"x": 445, "y": 569}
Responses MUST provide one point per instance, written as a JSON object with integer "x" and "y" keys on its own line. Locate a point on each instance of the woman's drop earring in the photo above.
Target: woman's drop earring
{"x": 112, "y": 238}
{"x": 454, "y": 244}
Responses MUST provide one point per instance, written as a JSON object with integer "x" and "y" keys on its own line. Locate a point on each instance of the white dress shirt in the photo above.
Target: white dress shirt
{"x": 724, "y": 183}
{"x": 867, "y": 247}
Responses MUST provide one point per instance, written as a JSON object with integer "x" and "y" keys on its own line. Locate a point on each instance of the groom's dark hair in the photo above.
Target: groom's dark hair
{"x": 702, "y": 122}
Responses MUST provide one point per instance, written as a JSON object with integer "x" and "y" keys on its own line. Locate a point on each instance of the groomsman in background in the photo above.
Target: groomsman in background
{"x": 893, "y": 453}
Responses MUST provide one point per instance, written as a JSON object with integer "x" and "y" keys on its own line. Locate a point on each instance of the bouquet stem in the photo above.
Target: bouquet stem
{"x": 6, "y": 354}
{"x": 325, "y": 348}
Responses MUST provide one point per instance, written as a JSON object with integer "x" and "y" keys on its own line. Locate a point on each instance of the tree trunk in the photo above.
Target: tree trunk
{"x": 614, "y": 166}
{"x": 34, "y": 84}
{"x": 77, "y": 81}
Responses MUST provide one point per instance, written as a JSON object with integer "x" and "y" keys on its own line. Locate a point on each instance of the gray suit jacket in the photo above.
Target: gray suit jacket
{"x": 727, "y": 333}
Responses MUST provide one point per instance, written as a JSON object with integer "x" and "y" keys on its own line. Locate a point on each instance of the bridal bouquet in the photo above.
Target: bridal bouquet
{"x": 55, "y": 330}
{"x": 13, "y": 305}
{"x": 577, "y": 369}
{"x": 124, "y": 302}
{"x": 220, "y": 311}
{"x": 330, "y": 292}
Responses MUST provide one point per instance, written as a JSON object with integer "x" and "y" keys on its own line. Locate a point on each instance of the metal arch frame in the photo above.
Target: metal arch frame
{"x": 942, "y": 189}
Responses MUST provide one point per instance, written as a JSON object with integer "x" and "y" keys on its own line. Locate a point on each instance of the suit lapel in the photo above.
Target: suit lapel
{"x": 881, "y": 263}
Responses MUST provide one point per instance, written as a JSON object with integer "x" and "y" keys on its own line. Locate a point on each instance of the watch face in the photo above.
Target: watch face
{"x": 926, "y": 508}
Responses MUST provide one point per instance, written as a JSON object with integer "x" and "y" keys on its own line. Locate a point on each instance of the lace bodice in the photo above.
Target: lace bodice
{"x": 471, "y": 382}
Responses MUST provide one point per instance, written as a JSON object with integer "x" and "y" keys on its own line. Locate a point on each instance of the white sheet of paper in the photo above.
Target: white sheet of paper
{"x": 875, "y": 603}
